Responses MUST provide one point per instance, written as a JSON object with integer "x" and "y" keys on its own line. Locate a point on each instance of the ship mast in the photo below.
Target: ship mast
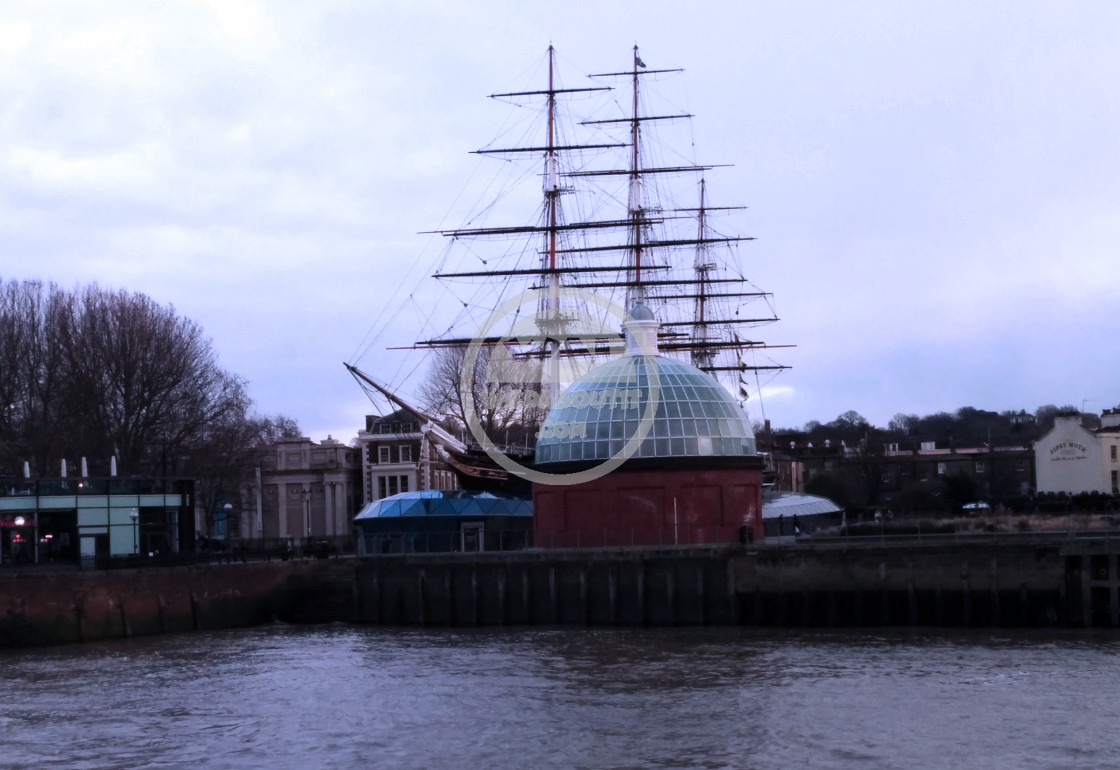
{"x": 702, "y": 358}
{"x": 625, "y": 247}
{"x": 637, "y": 292}
{"x": 550, "y": 324}
{"x": 646, "y": 228}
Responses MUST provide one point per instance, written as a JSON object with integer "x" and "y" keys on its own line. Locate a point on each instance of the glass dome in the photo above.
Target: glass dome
{"x": 599, "y": 413}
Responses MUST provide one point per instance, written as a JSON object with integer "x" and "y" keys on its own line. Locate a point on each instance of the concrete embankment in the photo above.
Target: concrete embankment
{"x": 41, "y": 608}
{"x": 1025, "y": 582}
{"x": 1030, "y": 581}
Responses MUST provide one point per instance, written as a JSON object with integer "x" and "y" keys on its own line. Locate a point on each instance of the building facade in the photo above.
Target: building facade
{"x": 92, "y": 520}
{"x": 1072, "y": 458}
{"x": 303, "y": 490}
{"x": 396, "y": 457}
{"x": 996, "y": 471}
{"x": 889, "y": 474}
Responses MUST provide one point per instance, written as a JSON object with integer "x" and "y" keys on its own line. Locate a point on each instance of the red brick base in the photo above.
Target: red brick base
{"x": 650, "y": 507}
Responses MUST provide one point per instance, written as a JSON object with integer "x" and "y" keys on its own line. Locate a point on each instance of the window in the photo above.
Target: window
{"x": 406, "y": 454}
{"x": 392, "y": 485}
{"x": 941, "y": 469}
{"x": 1115, "y": 484}
{"x": 404, "y": 483}
{"x": 1112, "y": 452}
{"x": 381, "y": 493}
{"x": 979, "y": 466}
{"x": 382, "y": 454}
{"x": 923, "y": 473}
{"x": 1020, "y": 466}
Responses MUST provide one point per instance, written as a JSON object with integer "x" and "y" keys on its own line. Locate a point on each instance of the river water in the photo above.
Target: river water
{"x": 343, "y": 696}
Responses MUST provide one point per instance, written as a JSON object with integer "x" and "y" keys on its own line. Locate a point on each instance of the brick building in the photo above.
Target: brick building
{"x": 885, "y": 474}
{"x": 396, "y": 457}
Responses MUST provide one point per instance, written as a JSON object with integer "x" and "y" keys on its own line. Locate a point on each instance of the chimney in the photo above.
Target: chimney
{"x": 1110, "y": 418}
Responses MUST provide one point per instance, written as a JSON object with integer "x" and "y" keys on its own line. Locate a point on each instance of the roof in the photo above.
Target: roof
{"x": 794, "y": 504}
{"x": 438, "y": 503}
{"x": 600, "y": 413}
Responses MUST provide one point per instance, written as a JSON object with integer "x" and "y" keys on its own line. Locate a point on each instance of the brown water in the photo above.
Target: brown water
{"x": 339, "y": 696}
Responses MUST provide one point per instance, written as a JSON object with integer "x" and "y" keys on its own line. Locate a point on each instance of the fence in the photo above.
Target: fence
{"x": 215, "y": 551}
{"x": 444, "y": 541}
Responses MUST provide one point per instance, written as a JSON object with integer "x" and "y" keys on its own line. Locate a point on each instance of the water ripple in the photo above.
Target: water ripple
{"x": 339, "y": 696}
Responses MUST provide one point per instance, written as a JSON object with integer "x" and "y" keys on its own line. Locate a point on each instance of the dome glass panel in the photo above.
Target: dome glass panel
{"x": 446, "y": 503}
{"x": 694, "y": 417}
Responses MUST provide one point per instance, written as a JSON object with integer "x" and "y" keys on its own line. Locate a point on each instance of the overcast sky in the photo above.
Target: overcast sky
{"x": 934, "y": 187}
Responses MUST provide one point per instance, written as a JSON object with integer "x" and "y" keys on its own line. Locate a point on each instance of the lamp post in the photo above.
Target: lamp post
{"x": 228, "y": 508}
{"x": 134, "y": 514}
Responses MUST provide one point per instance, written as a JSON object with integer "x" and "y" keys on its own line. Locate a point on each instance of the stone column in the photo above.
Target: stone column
{"x": 281, "y": 497}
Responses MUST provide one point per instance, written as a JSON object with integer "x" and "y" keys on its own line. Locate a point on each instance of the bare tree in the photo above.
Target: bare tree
{"x": 903, "y": 423}
{"x": 138, "y": 376}
{"x": 223, "y": 460}
{"x": 866, "y": 463}
{"x": 500, "y": 398}
{"x": 30, "y": 376}
{"x": 101, "y": 373}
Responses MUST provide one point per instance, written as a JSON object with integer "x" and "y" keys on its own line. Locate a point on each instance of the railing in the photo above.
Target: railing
{"x": 992, "y": 537}
{"x": 662, "y": 537}
{"x": 214, "y": 551}
{"x": 667, "y": 538}
{"x": 93, "y": 486}
{"x": 275, "y": 548}
{"x": 398, "y": 542}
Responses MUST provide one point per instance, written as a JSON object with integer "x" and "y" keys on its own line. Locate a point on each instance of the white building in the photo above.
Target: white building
{"x": 307, "y": 490}
{"x": 1072, "y": 458}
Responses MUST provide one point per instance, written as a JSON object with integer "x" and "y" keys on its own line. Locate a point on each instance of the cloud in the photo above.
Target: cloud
{"x": 933, "y": 188}
{"x": 15, "y": 37}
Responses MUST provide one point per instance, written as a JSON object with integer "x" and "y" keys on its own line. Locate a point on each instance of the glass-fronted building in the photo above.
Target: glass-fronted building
{"x": 90, "y": 520}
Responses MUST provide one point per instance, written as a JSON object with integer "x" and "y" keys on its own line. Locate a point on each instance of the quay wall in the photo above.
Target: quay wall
{"x": 59, "y": 607}
{"x": 1035, "y": 582}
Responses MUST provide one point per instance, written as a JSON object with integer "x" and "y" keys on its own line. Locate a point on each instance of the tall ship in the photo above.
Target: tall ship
{"x": 591, "y": 210}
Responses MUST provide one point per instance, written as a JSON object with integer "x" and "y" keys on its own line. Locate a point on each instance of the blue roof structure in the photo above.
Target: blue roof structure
{"x": 451, "y": 503}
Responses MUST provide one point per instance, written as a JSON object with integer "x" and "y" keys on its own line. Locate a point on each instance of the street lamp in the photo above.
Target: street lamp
{"x": 228, "y": 508}
{"x": 134, "y": 514}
